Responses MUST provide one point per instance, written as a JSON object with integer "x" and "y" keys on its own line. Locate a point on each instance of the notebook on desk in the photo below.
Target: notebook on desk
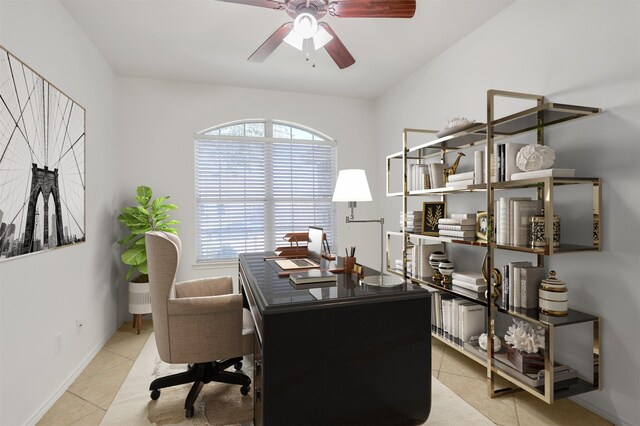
{"x": 314, "y": 253}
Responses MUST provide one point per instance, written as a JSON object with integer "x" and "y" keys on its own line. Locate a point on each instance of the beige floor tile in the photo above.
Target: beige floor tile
{"x": 92, "y": 419}
{"x": 101, "y": 389}
{"x": 147, "y": 326}
{"x": 437, "y": 353}
{"x": 501, "y": 411}
{"x": 125, "y": 342}
{"x": 533, "y": 412}
{"x": 437, "y": 343}
{"x": 103, "y": 361}
{"x": 67, "y": 409}
{"x": 456, "y": 363}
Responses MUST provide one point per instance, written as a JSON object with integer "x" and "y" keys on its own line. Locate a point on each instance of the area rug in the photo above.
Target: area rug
{"x": 221, "y": 404}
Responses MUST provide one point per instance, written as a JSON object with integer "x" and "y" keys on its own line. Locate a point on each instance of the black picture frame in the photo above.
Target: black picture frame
{"x": 432, "y": 211}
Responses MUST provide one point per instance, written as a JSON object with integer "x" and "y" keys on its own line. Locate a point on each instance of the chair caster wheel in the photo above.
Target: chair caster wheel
{"x": 189, "y": 412}
{"x": 244, "y": 390}
{"x": 155, "y": 394}
{"x": 238, "y": 365}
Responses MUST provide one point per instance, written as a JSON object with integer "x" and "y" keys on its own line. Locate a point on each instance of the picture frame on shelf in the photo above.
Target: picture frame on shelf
{"x": 432, "y": 212}
{"x": 482, "y": 225}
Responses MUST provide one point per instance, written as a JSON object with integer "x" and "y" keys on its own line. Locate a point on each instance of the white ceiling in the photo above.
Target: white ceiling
{"x": 209, "y": 41}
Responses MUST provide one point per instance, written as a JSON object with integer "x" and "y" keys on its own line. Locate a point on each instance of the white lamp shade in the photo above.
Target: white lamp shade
{"x": 352, "y": 185}
{"x": 321, "y": 37}
{"x": 294, "y": 39}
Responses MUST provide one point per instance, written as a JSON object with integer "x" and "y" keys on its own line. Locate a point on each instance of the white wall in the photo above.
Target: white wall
{"x": 158, "y": 120}
{"x": 43, "y": 294}
{"x": 585, "y": 53}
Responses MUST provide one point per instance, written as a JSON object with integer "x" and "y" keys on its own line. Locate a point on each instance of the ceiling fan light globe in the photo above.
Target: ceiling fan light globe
{"x": 293, "y": 39}
{"x": 321, "y": 38}
{"x": 305, "y": 25}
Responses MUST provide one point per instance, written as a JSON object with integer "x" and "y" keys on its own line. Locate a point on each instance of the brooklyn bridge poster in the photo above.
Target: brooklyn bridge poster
{"x": 42, "y": 163}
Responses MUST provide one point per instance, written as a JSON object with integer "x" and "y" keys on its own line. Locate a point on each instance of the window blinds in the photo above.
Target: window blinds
{"x": 250, "y": 194}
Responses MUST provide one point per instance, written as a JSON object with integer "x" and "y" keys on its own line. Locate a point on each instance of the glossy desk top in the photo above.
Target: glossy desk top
{"x": 274, "y": 293}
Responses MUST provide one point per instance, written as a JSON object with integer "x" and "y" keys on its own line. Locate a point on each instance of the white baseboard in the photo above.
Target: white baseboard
{"x": 613, "y": 418}
{"x": 35, "y": 418}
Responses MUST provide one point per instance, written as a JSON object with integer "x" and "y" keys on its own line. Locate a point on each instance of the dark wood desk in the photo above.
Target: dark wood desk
{"x": 337, "y": 354}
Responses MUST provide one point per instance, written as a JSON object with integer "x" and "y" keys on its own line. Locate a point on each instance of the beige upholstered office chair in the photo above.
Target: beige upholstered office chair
{"x": 195, "y": 322}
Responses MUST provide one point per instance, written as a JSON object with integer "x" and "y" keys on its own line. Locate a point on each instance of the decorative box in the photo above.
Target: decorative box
{"x": 537, "y": 236}
{"x": 524, "y": 362}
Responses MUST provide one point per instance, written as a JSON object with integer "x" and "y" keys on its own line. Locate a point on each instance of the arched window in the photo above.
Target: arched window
{"x": 257, "y": 180}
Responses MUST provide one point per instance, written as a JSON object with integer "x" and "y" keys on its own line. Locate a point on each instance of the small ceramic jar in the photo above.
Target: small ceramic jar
{"x": 446, "y": 269}
{"x": 553, "y": 296}
{"x": 434, "y": 260}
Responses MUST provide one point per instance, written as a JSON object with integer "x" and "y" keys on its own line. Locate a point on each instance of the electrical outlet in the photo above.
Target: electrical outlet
{"x": 57, "y": 344}
{"x": 79, "y": 326}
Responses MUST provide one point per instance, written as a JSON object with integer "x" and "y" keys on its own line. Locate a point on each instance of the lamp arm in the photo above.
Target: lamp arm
{"x": 381, "y": 222}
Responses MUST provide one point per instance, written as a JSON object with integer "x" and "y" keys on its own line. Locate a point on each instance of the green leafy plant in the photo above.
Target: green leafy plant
{"x": 147, "y": 216}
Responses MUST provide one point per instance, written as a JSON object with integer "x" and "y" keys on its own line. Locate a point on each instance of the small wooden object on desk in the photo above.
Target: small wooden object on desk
{"x": 348, "y": 263}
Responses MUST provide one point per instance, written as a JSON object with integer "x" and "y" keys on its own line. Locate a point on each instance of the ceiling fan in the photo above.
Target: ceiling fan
{"x": 305, "y": 33}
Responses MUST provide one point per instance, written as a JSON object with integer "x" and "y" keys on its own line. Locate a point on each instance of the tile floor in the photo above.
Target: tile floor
{"x": 88, "y": 398}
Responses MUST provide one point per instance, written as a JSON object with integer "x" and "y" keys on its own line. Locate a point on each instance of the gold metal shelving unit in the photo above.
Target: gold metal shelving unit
{"x": 537, "y": 118}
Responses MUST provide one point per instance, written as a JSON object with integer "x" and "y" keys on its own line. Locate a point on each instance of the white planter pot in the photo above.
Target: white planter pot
{"x": 139, "y": 298}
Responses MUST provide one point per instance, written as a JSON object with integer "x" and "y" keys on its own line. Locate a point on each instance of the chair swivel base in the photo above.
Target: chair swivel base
{"x": 199, "y": 374}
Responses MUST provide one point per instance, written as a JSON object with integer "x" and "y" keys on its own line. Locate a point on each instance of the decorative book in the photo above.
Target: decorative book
{"x": 561, "y": 173}
{"x": 313, "y": 276}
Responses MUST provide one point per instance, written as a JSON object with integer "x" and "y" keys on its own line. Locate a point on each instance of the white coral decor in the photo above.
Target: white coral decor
{"x": 535, "y": 157}
{"x": 523, "y": 337}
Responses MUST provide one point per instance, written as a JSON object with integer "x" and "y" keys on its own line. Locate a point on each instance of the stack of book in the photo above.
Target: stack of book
{"x": 456, "y": 319}
{"x": 419, "y": 177}
{"x": 520, "y": 281}
{"x": 414, "y": 222}
{"x": 461, "y": 180}
{"x": 398, "y": 266}
{"x": 468, "y": 283}
{"x": 420, "y": 258}
{"x": 512, "y": 219}
{"x": 460, "y": 226}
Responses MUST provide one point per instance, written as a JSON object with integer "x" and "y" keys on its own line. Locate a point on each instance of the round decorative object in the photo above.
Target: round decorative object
{"x": 553, "y": 296}
{"x": 446, "y": 269}
{"x": 434, "y": 260}
{"x": 537, "y": 237}
{"x": 482, "y": 342}
{"x": 455, "y": 125}
{"x": 535, "y": 157}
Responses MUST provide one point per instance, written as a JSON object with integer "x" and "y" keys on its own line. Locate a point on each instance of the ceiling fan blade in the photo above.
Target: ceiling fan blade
{"x": 337, "y": 49}
{"x": 373, "y": 8}
{"x": 271, "y": 43}
{"x": 271, "y": 4}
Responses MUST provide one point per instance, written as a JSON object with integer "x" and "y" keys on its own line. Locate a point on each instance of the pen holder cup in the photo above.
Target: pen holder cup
{"x": 348, "y": 263}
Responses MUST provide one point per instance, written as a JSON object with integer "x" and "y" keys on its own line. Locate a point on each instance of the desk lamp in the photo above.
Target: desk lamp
{"x": 351, "y": 187}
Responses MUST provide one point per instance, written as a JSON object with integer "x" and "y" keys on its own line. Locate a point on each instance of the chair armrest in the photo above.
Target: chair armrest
{"x": 211, "y": 305}
{"x": 203, "y": 329}
{"x": 204, "y": 287}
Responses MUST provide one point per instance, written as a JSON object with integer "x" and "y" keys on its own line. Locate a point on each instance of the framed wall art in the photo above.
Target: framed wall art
{"x": 42, "y": 163}
{"x": 432, "y": 212}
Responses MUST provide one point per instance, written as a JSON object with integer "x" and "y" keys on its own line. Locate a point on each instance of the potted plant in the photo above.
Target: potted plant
{"x": 148, "y": 215}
